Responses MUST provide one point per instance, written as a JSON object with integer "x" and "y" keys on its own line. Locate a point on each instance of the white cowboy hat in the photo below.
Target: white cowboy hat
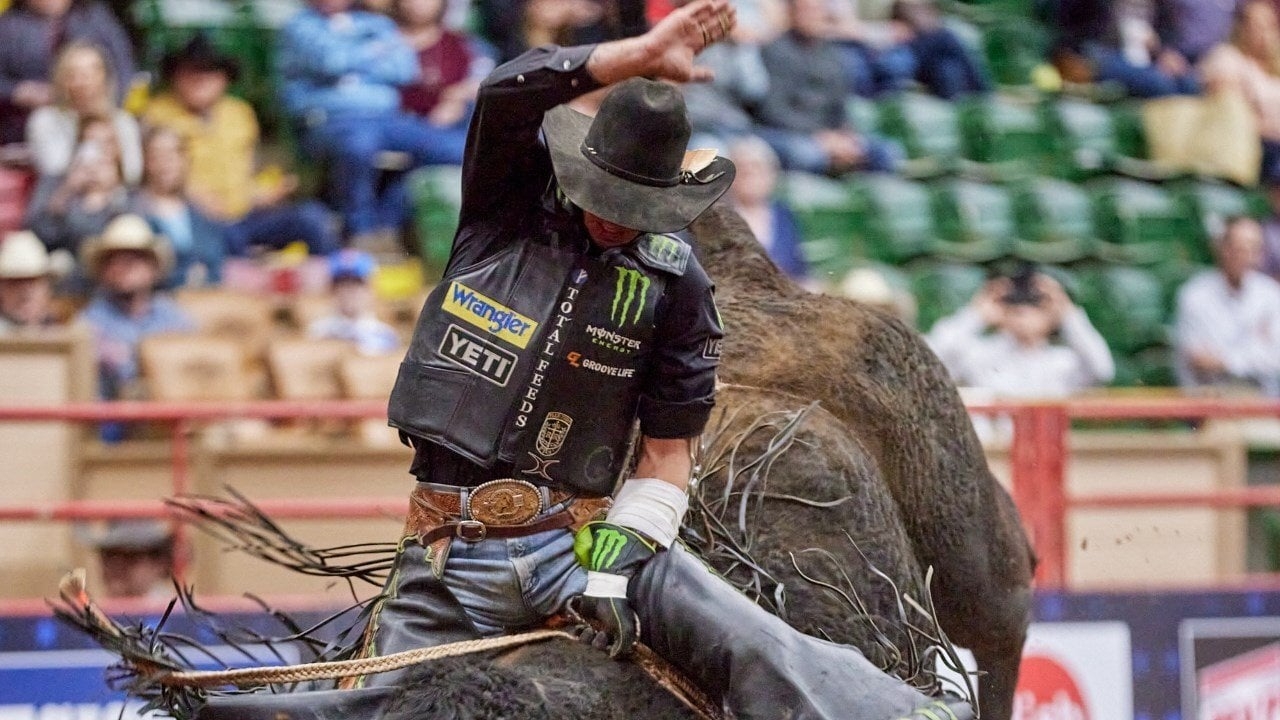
{"x": 127, "y": 232}
{"x": 22, "y": 255}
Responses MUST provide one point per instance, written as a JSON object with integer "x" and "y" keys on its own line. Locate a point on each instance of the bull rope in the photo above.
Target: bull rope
{"x": 662, "y": 672}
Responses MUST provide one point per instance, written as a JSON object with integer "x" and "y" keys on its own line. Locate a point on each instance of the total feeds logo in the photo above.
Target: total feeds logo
{"x": 489, "y": 315}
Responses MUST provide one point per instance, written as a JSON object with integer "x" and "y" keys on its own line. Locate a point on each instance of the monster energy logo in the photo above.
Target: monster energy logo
{"x": 606, "y": 548}
{"x": 630, "y": 283}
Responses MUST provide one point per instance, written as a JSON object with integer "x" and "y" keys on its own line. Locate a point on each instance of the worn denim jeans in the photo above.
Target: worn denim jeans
{"x": 516, "y": 583}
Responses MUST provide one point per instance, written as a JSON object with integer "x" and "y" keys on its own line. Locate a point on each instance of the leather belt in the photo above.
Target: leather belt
{"x": 503, "y": 508}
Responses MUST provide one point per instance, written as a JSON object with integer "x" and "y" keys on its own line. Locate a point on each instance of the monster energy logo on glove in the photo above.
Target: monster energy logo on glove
{"x": 631, "y": 286}
{"x": 606, "y": 547}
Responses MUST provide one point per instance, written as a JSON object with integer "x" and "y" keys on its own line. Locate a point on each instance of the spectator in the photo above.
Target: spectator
{"x": 26, "y": 288}
{"x": 1271, "y": 235}
{"x": 136, "y": 557}
{"x": 803, "y": 115}
{"x": 342, "y": 70}
{"x": 449, "y": 70}
{"x": 1194, "y": 27}
{"x": 199, "y": 244}
{"x": 221, "y": 135}
{"x": 127, "y": 261}
{"x": 752, "y": 195}
{"x": 882, "y": 53}
{"x": 353, "y": 319}
{"x": 718, "y": 109}
{"x": 1118, "y": 38}
{"x": 67, "y": 209}
{"x": 83, "y": 88}
{"x": 1228, "y": 319}
{"x": 1250, "y": 65}
{"x": 1019, "y": 359}
{"x": 517, "y": 25}
{"x": 32, "y": 32}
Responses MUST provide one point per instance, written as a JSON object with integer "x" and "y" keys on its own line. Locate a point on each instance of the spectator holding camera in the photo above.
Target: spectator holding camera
{"x": 1228, "y": 318}
{"x": 1002, "y": 340}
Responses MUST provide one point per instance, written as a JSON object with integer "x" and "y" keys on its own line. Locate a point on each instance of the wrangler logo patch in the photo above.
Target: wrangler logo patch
{"x": 477, "y": 355}
{"x": 489, "y": 315}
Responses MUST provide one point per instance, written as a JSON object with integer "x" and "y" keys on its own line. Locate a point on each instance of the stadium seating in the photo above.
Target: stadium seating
{"x": 437, "y": 195}
{"x": 1209, "y": 203}
{"x": 1137, "y": 222}
{"x": 1127, "y": 305}
{"x": 942, "y": 288}
{"x": 927, "y": 127}
{"x": 1055, "y": 221}
{"x": 976, "y": 220}
{"x": 183, "y": 368}
{"x": 895, "y": 217}
{"x": 998, "y": 129}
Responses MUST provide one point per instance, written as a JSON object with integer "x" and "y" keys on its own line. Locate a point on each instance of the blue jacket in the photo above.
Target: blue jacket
{"x": 347, "y": 64}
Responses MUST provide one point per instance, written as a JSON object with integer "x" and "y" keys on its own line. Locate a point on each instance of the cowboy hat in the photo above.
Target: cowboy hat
{"x": 22, "y": 256}
{"x": 199, "y": 54}
{"x": 126, "y": 232}
{"x": 132, "y": 536}
{"x": 628, "y": 164}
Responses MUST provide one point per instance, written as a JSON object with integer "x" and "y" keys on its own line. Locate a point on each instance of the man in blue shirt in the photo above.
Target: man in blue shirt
{"x": 342, "y": 69}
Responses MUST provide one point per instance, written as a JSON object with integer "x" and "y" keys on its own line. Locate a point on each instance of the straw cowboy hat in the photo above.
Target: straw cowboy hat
{"x": 23, "y": 256}
{"x": 126, "y": 232}
{"x": 628, "y": 165}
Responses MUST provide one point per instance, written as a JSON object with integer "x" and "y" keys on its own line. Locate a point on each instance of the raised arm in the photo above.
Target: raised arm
{"x": 503, "y": 141}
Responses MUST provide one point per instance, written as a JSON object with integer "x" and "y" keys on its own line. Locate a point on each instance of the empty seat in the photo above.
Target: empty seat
{"x": 190, "y": 368}
{"x": 436, "y": 193}
{"x": 943, "y": 288}
{"x": 306, "y": 369}
{"x": 241, "y": 317}
{"x": 1137, "y": 222}
{"x": 896, "y": 218}
{"x": 928, "y": 127}
{"x": 976, "y": 220}
{"x": 829, "y": 225}
{"x": 1127, "y": 305}
{"x": 1084, "y": 137}
{"x": 1055, "y": 221}
{"x": 998, "y": 130}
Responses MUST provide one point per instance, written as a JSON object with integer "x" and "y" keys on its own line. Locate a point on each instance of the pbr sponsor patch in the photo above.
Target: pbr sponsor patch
{"x": 711, "y": 350}
{"x": 489, "y": 315}
{"x": 612, "y": 340}
{"x": 575, "y": 359}
{"x": 555, "y": 427}
{"x": 477, "y": 355}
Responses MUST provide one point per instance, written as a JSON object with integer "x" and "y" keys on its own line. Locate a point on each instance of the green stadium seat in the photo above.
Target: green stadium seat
{"x": 1055, "y": 221}
{"x": 1151, "y": 367}
{"x": 943, "y": 288}
{"x": 1137, "y": 222}
{"x": 1127, "y": 305}
{"x": 1084, "y": 137}
{"x": 1209, "y": 203}
{"x": 1014, "y": 47}
{"x": 1000, "y": 130}
{"x": 436, "y": 193}
{"x": 830, "y": 226}
{"x": 1130, "y": 133}
{"x": 863, "y": 113}
{"x": 976, "y": 220}
{"x": 896, "y": 220}
{"x": 927, "y": 126}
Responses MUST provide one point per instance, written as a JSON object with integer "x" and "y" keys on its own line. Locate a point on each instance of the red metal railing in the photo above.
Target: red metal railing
{"x": 1039, "y": 455}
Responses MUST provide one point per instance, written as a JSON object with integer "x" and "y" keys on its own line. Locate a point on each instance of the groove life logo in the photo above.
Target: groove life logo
{"x": 630, "y": 290}
{"x": 608, "y": 544}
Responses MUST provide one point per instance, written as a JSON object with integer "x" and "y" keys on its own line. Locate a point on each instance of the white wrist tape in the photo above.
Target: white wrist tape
{"x": 601, "y": 584}
{"x": 650, "y": 506}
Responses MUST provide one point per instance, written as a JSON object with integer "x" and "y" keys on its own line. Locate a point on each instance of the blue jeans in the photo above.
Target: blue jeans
{"x": 275, "y": 227}
{"x": 516, "y": 583}
{"x": 946, "y": 66}
{"x": 1146, "y": 82}
{"x": 870, "y": 72}
{"x": 350, "y": 145}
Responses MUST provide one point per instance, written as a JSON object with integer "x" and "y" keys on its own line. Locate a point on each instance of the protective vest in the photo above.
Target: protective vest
{"x": 536, "y": 356}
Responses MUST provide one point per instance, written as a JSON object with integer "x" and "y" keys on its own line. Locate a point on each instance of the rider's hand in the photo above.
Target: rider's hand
{"x": 610, "y": 625}
{"x": 684, "y": 33}
{"x": 611, "y": 554}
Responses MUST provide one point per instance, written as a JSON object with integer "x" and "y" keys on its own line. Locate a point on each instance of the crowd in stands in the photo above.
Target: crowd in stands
{"x": 168, "y": 194}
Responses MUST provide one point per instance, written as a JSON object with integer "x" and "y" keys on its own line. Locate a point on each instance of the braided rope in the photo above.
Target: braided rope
{"x": 654, "y": 665}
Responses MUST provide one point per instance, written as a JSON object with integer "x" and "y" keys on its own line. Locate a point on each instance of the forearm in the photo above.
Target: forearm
{"x": 1080, "y": 335}
{"x": 667, "y": 460}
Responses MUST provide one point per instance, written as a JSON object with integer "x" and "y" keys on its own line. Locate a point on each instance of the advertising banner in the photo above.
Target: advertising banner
{"x": 1076, "y": 671}
{"x": 1231, "y": 668}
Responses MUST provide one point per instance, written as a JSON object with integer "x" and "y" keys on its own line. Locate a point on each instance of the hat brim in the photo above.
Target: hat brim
{"x": 95, "y": 250}
{"x": 623, "y": 202}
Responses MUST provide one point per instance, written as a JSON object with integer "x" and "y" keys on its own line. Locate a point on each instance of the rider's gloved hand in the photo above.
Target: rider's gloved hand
{"x": 611, "y": 554}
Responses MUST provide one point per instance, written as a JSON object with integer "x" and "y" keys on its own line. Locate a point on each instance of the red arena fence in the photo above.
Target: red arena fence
{"x": 1038, "y": 455}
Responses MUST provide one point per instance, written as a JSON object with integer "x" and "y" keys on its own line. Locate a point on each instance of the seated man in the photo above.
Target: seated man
{"x": 342, "y": 70}
{"x": 221, "y": 137}
{"x": 136, "y": 558}
{"x": 26, "y": 288}
{"x": 1019, "y": 360}
{"x": 802, "y": 116}
{"x": 127, "y": 262}
{"x": 570, "y": 312}
{"x": 1228, "y": 319}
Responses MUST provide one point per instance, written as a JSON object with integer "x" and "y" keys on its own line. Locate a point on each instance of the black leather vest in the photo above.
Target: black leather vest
{"x": 536, "y": 356}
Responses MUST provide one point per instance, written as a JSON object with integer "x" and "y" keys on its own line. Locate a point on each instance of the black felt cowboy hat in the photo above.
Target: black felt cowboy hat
{"x": 629, "y": 165}
{"x": 199, "y": 54}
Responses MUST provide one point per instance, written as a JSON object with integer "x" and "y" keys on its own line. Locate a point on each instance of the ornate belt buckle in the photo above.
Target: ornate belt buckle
{"x": 504, "y": 502}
